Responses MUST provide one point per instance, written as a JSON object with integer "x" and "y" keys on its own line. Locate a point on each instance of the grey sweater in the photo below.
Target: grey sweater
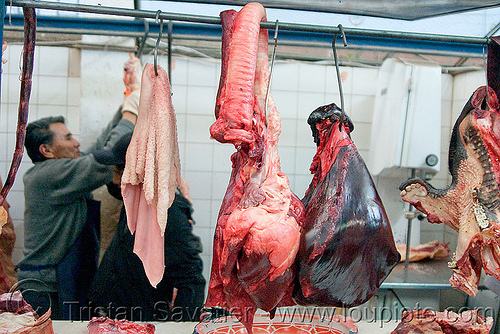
{"x": 55, "y": 194}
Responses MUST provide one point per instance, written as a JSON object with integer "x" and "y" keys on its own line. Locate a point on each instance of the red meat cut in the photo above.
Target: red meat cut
{"x": 258, "y": 228}
{"x": 347, "y": 248}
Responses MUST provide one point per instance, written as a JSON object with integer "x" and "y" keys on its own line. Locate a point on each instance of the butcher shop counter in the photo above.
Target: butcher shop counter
{"x": 427, "y": 274}
{"x": 77, "y": 327}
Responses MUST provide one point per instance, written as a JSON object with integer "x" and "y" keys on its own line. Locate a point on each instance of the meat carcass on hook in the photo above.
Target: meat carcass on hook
{"x": 347, "y": 236}
{"x": 258, "y": 228}
{"x": 152, "y": 171}
{"x": 471, "y": 204}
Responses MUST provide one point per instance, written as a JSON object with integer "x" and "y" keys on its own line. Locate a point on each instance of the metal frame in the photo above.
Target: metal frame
{"x": 187, "y": 26}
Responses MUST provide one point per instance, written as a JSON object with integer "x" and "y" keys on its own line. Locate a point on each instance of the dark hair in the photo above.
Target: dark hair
{"x": 38, "y": 133}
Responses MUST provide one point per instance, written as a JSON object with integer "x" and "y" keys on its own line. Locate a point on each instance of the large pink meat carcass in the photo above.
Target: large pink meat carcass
{"x": 152, "y": 171}
{"x": 258, "y": 229}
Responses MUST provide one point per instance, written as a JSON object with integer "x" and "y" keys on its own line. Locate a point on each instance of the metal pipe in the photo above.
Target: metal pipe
{"x": 265, "y": 24}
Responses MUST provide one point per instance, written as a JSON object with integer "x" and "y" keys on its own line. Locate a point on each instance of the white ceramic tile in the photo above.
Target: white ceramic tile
{"x": 179, "y": 99}
{"x": 332, "y": 85}
{"x": 364, "y": 81}
{"x": 198, "y": 157}
{"x": 303, "y": 160}
{"x": 179, "y": 71}
{"x": 202, "y": 209}
{"x": 312, "y": 78}
{"x": 4, "y": 98}
{"x": 222, "y": 157}
{"x": 361, "y": 108}
{"x": 4, "y": 110}
{"x": 304, "y": 134}
{"x": 220, "y": 181}
{"x": 202, "y": 73}
{"x": 287, "y": 159}
{"x": 288, "y": 135}
{"x": 74, "y": 91}
{"x": 200, "y": 184}
{"x": 361, "y": 135}
{"x": 3, "y": 148}
{"x": 14, "y": 62}
{"x": 14, "y": 88}
{"x": 286, "y": 103}
{"x": 206, "y": 237}
{"x": 46, "y": 110}
{"x": 16, "y": 201}
{"x": 181, "y": 127}
{"x": 53, "y": 61}
{"x": 286, "y": 76}
{"x": 201, "y": 100}
{"x": 198, "y": 128}
{"x": 308, "y": 101}
{"x": 301, "y": 184}
{"x": 53, "y": 90}
{"x": 216, "y": 204}
{"x": 446, "y": 87}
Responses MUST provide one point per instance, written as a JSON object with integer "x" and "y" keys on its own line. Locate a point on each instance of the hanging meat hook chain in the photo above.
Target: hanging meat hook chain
{"x": 157, "y": 41}
{"x": 27, "y": 72}
{"x": 341, "y": 91}
{"x": 272, "y": 66}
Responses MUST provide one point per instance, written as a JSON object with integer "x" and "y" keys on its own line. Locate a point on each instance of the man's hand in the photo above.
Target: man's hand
{"x": 132, "y": 72}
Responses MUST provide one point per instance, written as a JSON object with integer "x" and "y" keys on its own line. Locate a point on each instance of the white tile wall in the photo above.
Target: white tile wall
{"x": 298, "y": 88}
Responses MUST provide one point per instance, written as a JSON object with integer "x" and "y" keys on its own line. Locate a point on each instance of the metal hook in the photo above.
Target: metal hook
{"x": 143, "y": 42}
{"x": 169, "y": 46}
{"x": 341, "y": 91}
{"x": 157, "y": 41}
{"x": 485, "y": 60}
{"x": 272, "y": 66}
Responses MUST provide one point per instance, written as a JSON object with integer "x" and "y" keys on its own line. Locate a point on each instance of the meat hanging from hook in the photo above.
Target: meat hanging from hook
{"x": 27, "y": 73}
{"x": 157, "y": 41}
{"x": 341, "y": 91}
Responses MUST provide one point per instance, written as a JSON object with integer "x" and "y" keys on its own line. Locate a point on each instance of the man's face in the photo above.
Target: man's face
{"x": 63, "y": 144}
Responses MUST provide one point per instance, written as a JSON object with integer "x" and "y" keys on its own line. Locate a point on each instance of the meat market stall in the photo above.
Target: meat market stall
{"x": 200, "y": 33}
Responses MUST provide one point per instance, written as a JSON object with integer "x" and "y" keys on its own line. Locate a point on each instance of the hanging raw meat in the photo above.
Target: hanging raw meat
{"x": 471, "y": 204}
{"x": 347, "y": 248}
{"x": 152, "y": 171}
{"x": 258, "y": 228}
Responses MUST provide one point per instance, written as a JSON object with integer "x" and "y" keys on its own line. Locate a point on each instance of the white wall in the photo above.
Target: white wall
{"x": 90, "y": 97}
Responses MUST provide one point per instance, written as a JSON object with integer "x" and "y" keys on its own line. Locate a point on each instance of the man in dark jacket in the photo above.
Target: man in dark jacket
{"x": 121, "y": 288}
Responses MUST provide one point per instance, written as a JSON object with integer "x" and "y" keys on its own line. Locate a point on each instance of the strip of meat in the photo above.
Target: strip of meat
{"x": 347, "y": 236}
{"x": 430, "y": 250}
{"x": 236, "y": 98}
{"x": 152, "y": 171}
{"x": 27, "y": 73}
{"x": 258, "y": 228}
{"x": 471, "y": 204}
{"x": 227, "y": 22}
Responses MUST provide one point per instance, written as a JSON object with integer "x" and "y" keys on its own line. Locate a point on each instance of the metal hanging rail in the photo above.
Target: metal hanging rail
{"x": 331, "y": 30}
